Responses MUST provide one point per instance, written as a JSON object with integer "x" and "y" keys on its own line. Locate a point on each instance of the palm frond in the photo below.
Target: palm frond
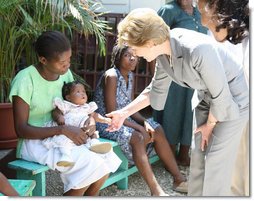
{"x": 21, "y": 21}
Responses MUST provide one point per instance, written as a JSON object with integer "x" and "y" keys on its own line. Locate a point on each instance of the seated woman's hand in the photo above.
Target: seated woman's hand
{"x": 77, "y": 135}
{"x": 149, "y": 129}
{"x": 145, "y": 133}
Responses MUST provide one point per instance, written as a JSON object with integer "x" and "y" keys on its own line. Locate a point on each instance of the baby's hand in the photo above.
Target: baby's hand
{"x": 60, "y": 120}
{"x": 107, "y": 120}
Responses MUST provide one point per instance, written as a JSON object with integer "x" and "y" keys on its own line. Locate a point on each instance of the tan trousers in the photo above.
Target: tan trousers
{"x": 240, "y": 179}
{"x": 211, "y": 170}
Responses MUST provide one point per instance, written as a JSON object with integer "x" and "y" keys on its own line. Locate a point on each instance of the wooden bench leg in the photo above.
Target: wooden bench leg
{"x": 23, "y": 187}
{"x": 120, "y": 177}
{"x": 40, "y": 179}
{"x": 123, "y": 183}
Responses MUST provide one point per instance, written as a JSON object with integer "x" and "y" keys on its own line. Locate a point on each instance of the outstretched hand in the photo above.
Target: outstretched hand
{"x": 117, "y": 119}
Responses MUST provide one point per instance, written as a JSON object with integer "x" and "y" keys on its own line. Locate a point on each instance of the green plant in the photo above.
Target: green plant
{"x": 21, "y": 21}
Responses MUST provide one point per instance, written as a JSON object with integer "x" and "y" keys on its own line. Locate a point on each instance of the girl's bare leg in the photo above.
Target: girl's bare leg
{"x": 141, "y": 161}
{"x": 76, "y": 192}
{"x": 183, "y": 157}
{"x": 94, "y": 188}
{"x": 165, "y": 153}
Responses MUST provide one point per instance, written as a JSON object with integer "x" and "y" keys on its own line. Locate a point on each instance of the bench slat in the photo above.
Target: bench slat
{"x": 114, "y": 144}
{"x": 24, "y": 165}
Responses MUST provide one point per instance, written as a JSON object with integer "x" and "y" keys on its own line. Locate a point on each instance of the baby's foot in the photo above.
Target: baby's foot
{"x": 101, "y": 147}
{"x": 65, "y": 161}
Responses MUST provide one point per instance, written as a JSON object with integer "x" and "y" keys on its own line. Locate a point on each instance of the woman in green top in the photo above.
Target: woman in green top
{"x": 177, "y": 116}
{"x": 33, "y": 90}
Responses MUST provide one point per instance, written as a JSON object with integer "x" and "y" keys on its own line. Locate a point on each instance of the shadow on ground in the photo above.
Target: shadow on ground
{"x": 137, "y": 186}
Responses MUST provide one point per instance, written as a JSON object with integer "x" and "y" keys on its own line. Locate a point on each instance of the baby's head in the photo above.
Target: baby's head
{"x": 74, "y": 92}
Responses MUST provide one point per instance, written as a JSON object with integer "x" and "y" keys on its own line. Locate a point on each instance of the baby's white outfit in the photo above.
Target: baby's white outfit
{"x": 74, "y": 115}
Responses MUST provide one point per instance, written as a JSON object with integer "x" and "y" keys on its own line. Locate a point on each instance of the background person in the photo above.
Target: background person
{"x": 228, "y": 20}
{"x": 176, "y": 117}
{"x": 5, "y": 187}
{"x": 138, "y": 136}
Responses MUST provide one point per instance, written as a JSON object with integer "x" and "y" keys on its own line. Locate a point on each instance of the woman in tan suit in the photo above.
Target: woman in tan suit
{"x": 221, "y": 98}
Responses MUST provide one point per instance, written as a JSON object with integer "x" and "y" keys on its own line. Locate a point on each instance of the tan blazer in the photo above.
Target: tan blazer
{"x": 200, "y": 63}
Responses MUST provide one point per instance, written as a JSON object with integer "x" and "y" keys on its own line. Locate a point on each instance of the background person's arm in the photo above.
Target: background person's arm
{"x": 6, "y": 188}
{"x": 137, "y": 116}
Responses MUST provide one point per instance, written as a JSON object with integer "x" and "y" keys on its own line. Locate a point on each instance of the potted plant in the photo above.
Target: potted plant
{"x": 21, "y": 21}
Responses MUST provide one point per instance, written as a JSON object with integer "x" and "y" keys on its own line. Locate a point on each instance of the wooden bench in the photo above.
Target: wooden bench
{"x": 23, "y": 187}
{"x": 31, "y": 171}
{"x": 34, "y": 171}
{"x": 120, "y": 177}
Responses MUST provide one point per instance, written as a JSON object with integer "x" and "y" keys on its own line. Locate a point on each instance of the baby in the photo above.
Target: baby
{"x": 75, "y": 111}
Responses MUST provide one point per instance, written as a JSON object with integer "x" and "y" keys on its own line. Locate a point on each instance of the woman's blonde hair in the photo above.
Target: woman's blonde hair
{"x": 140, "y": 26}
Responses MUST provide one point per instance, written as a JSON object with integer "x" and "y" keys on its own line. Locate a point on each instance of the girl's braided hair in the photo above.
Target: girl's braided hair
{"x": 117, "y": 54}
